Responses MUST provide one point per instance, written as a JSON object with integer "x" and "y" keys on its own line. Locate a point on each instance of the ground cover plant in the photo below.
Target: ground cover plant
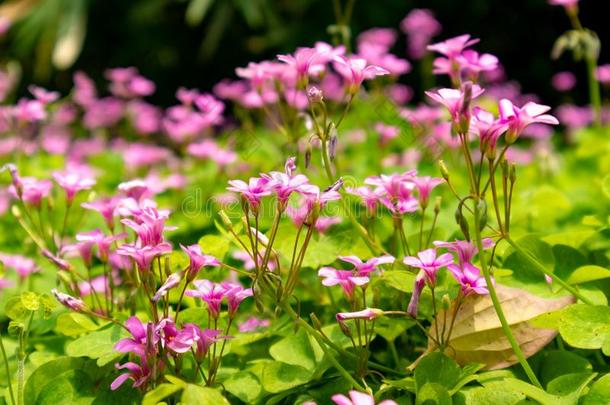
{"x": 303, "y": 234}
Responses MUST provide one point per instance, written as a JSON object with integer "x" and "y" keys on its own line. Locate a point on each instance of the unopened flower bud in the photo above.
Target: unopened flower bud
{"x": 465, "y": 110}
{"x": 225, "y": 219}
{"x": 69, "y": 301}
{"x": 446, "y": 302}
{"x": 482, "y": 208}
{"x": 315, "y": 321}
{"x": 60, "y": 263}
{"x": 444, "y": 170}
{"x": 512, "y": 173}
{"x": 437, "y": 204}
{"x": 332, "y": 146}
{"x": 308, "y": 156}
{"x": 315, "y": 95}
{"x": 505, "y": 168}
{"x": 172, "y": 281}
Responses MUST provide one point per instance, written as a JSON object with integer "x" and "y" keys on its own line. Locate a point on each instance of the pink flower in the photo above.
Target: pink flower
{"x": 364, "y": 269}
{"x": 304, "y": 62}
{"x": 144, "y": 255}
{"x": 324, "y": 223}
{"x": 470, "y": 279}
{"x": 370, "y": 198}
{"x": 245, "y": 257}
{"x": 68, "y": 301}
{"x": 21, "y": 265}
{"x": 172, "y": 281}
{"x": 42, "y": 95}
{"x": 420, "y": 25}
{"x": 453, "y": 47}
{"x": 519, "y": 118}
{"x": 564, "y": 81}
{"x": 31, "y": 190}
{"x": 386, "y": 132}
{"x": 602, "y": 73}
{"x": 466, "y": 250}
{"x": 98, "y": 284}
{"x": 212, "y": 293}
{"x": 314, "y": 197}
{"x": 284, "y": 184}
{"x": 368, "y": 314}
{"x": 420, "y": 282}
{"x": 345, "y": 278}
{"x": 355, "y": 70}
{"x": 29, "y": 111}
{"x": 137, "y": 343}
{"x": 204, "y": 338}
{"x": 488, "y": 128}
{"x": 454, "y": 100}
{"x": 358, "y": 398}
{"x": 198, "y": 260}
{"x": 209, "y": 149}
{"x": 140, "y": 374}
{"x": 106, "y": 207}
{"x": 149, "y": 226}
{"x": 253, "y": 191}
{"x": 253, "y": 323}
{"x": 73, "y": 183}
{"x": 102, "y": 241}
{"x": 568, "y": 4}
{"x": 429, "y": 263}
{"x": 424, "y": 186}
{"x": 235, "y": 294}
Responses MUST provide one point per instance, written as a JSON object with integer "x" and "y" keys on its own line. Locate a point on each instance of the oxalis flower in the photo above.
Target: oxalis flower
{"x": 428, "y": 261}
{"x": 366, "y": 268}
{"x": 358, "y": 398}
{"x": 253, "y": 191}
{"x": 355, "y": 70}
{"x": 72, "y": 183}
{"x": 345, "y": 278}
{"x": 457, "y": 103}
{"x": 198, "y": 260}
{"x": 519, "y": 118}
{"x": 470, "y": 279}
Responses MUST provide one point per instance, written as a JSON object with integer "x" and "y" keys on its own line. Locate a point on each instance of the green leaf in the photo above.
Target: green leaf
{"x": 400, "y": 280}
{"x": 45, "y": 373}
{"x": 294, "y": 349}
{"x": 561, "y": 362}
{"x": 599, "y": 394}
{"x": 196, "y": 395}
{"x": 278, "y": 376}
{"x": 580, "y": 325}
{"x": 162, "y": 391}
{"x": 74, "y": 324}
{"x": 73, "y": 387}
{"x": 433, "y": 393}
{"x": 391, "y": 328}
{"x": 243, "y": 385}
{"x": 15, "y": 309}
{"x": 588, "y": 273}
{"x": 30, "y": 301}
{"x": 98, "y": 345}
{"x": 570, "y": 386}
{"x": 215, "y": 245}
{"x": 196, "y": 11}
{"x": 494, "y": 393}
{"x": 437, "y": 368}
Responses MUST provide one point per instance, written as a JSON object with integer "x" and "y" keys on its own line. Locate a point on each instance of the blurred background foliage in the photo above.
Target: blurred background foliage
{"x": 195, "y": 43}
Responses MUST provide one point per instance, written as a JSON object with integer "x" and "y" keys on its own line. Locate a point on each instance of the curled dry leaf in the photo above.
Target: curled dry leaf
{"x": 477, "y": 335}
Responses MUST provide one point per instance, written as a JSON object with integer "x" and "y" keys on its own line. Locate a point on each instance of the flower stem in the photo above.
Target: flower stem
{"x": 496, "y": 302}
{"x": 8, "y": 372}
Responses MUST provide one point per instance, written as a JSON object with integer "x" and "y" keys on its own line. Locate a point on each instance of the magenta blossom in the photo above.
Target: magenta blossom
{"x": 453, "y": 47}
{"x": 172, "y": 281}
{"x": 235, "y": 294}
{"x": 304, "y": 62}
{"x": 519, "y": 118}
{"x": 420, "y": 282}
{"x": 358, "y": 398}
{"x": 204, "y": 338}
{"x": 429, "y": 263}
{"x": 253, "y": 323}
{"x": 212, "y": 293}
{"x": 103, "y": 242}
{"x": 364, "y": 269}
{"x": 198, "y": 260}
{"x": 420, "y": 25}
{"x": 31, "y": 190}
{"x": 466, "y": 250}
{"x": 149, "y": 226}
{"x": 345, "y": 278}
{"x": 370, "y": 198}
{"x": 355, "y": 70}
{"x": 488, "y": 128}
{"x": 22, "y": 265}
{"x": 143, "y": 256}
{"x": 453, "y": 100}
{"x": 140, "y": 374}
{"x": 137, "y": 343}
{"x": 253, "y": 191}
{"x": 284, "y": 184}
{"x": 73, "y": 183}
{"x": 106, "y": 207}
{"x": 470, "y": 279}
{"x": 424, "y": 186}
{"x": 368, "y": 314}
{"x": 564, "y": 81}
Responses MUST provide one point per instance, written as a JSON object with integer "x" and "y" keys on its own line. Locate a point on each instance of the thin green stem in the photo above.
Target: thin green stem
{"x": 8, "y": 371}
{"x": 540, "y": 267}
{"x": 496, "y": 302}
